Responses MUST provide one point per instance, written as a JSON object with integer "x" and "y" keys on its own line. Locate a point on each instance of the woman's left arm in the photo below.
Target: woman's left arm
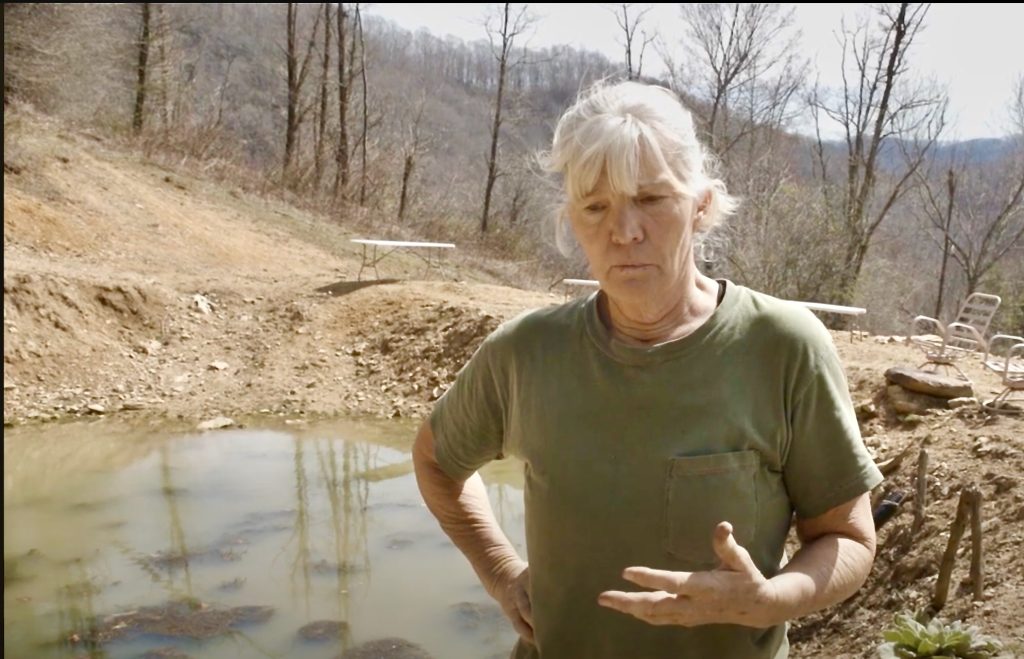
{"x": 835, "y": 557}
{"x": 837, "y": 550}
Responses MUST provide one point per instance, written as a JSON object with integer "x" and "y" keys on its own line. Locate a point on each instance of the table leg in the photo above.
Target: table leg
{"x": 362, "y": 265}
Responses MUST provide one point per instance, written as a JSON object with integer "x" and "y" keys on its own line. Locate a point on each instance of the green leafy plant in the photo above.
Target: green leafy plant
{"x": 910, "y": 639}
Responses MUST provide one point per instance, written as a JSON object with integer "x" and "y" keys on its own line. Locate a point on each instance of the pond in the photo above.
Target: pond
{"x": 275, "y": 541}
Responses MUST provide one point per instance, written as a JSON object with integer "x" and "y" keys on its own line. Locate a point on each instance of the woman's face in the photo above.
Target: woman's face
{"x": 639, "y": 247}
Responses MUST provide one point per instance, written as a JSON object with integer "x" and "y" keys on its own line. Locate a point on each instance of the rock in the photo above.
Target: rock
{"x": 386, "y": 648}
{"x": 932, "y": 384}
{"x": 131, "y": 405}
{"x": 216, "y": 423}
{"x": 324, "y": 630}
{"x": 1003, "y": 484}
{"x": 217, "y": 366}
{"x": 150, "y": 347}
{"x": 964, "y": 401}
{"x": 909, "y": 402}
{"x": 8, "y": 386}
{"x": 203, "y": 303}
{"x": 913, "y": 420}
{"x": 95, "y": 408}
{"x": 866, "y": 411}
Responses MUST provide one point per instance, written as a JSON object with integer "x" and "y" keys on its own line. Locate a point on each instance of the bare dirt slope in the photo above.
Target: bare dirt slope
{"x": 104, "y": 258}
{"x": 133, "y": 289}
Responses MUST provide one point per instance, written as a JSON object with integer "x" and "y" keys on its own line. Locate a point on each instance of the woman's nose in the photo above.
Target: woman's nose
{"x": 627, "y": 226}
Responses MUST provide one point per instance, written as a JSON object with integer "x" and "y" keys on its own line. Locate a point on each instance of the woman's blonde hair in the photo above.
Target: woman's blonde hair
{"x": 618, "y": 128}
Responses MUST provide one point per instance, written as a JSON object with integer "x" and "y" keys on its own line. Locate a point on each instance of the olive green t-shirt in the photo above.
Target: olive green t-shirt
{"x": 633, "y": 454}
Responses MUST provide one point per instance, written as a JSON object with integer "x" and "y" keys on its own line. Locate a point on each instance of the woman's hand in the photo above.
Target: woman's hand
{"x": 512, "y": 590}
{"x": 735, "y": 592}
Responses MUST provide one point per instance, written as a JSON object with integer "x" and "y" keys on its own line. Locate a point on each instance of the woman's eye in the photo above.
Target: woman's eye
{"x": 594, "y": 208}
{"x": 651, "y": 199}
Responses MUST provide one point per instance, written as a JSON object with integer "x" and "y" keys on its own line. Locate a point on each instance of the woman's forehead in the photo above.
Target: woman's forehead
{"x": 650, "y": 176}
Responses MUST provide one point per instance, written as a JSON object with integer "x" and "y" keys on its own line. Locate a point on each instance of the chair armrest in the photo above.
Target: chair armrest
{"x": 1001, "y": 338}
{"x": 974, "y": 334}
{"x": 930, "y": 325}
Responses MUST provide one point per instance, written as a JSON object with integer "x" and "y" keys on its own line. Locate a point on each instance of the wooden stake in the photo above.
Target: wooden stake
{"x": 956, "y": 531}
{"x": 921, "y": 500}
{"x": 977, "y": 559}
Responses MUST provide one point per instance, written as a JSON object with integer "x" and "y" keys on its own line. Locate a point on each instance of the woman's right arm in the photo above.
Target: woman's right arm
{"x": 465, "y": 515}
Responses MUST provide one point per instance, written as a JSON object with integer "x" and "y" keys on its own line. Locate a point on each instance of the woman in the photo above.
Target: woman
{"x": 670, "y": 425}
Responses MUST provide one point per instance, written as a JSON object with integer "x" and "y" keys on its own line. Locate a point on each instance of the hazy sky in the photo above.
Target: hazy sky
{"x": 976, "y": 51}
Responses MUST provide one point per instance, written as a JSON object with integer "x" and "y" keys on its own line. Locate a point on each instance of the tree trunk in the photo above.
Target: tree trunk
{"x": 321, "y": 137}
{"x": 293, "y": 98}
{"x": 341, "y": 155}
{"x": 406, "y": 173}
{"x": 140, "y": 86}
{"x": 365, "y": 136}
{"x": 951, "y": 189}
{"x": 492, "y": 161}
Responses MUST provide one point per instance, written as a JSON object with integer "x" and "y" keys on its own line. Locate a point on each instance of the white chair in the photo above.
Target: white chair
{"x": 1010, "y": 368}
{"x": 943, "y": 345}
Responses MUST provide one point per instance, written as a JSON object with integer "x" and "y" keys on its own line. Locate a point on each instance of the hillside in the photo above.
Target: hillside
{"x": 104, "y": 258}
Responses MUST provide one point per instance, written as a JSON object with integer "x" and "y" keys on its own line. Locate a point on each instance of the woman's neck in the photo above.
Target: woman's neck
{"x": 660, "y": 318}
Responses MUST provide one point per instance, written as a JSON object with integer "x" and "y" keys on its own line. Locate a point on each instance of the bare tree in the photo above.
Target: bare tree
{"x": 415, "y": 143}
{"x": 883, "y": 118}
{"x": 366, "y": 111}
{"x": 629, "y": 24}
{"x": 344, "y": 85}
{"x": 163, "y": 66}
{"x": 983, "y": 223}
{"x": 296, "y": 78}
{"x": 946, "y": 226}
{"x": 510, "y": 26}
{"x": 743, "y": 76}
{"x": 321, "y": 119}
{"x": 140, "y": 84}
{"x": 743, "y": 58}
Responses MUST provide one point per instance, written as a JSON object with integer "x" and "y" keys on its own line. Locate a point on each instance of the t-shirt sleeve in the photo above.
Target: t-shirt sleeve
{"x": 827, "y": 463}
{"x": 468, "y": 421}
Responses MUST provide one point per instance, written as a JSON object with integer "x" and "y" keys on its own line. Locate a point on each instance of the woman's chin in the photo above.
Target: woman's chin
{"x": 638, "y": 282}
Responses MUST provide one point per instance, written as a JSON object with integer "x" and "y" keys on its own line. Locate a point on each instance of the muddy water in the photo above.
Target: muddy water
{"x": 123, "y": 540}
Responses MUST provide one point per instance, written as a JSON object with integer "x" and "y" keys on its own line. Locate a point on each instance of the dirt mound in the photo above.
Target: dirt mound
{"x": 52, "y": 323}
{"x": 416, "y": 356}
{"x": 966, "y": 447}
{"x": 74, "y": 307}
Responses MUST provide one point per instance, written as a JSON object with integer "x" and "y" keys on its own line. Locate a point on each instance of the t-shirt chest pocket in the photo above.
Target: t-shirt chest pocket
{"x": 700, "y": 492}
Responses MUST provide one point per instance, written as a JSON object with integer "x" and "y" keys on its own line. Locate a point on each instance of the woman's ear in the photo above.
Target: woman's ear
{"x": 703, "y": 208}
{"x": 704, "y": 201}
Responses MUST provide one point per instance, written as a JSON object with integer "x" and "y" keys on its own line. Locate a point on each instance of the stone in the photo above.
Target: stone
{"x": 216, "y": 423}
{"x": 150, "y": 347}
{"x": 925, "y": 382}
{"x": 386, "y": 648}
{"x": 910, "y": 402}
{"x": 866, "y": 411}
{"x": 324, "y": 630}
{"x": 203, "y": 303}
